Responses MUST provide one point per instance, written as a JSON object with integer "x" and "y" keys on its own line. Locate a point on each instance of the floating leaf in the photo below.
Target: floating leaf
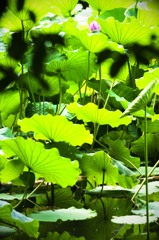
{"x": 47, "y": 163}
{"x": 91, "y": 113}
{"x": 71, "y": 214}
{"x": 10, "y": 216}
{"x": 153, "y": 210}
{"x": 56, "y": 128}
{"x": 5, "y": 133}
{"x": 64, "y": 236}
{"x": 133, "y": 219}
{"x": 142, "y": 100}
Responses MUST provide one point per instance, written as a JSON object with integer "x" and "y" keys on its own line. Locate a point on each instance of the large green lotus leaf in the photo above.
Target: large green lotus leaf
{"x": 71, "y": 214}
{"x": 137, "y": 146}
{"x": 9, "y": 103}
{"x": 10, "y": 216}
{"x": 47, "y": 163}
{"x": 56, "y": 128}
{"x": 153, "y": 210}
{"x": 119, "y": 151}
{"x": 91, "y": 113}
{"x": 148, "y": 77}
{"x": 94, "y": 42}
{"x": 100, "y": 167}
{"x": 99, "y": 164}
{"x": 75, "y": 68}
{"x": 126, "y": 32}
{"x": 31, "y": 13}
{"x": 63, "y": 236}
{"x": 142, "y": 99}
{"x": 12, "y": 170}
{"x": 148, "y": 17}
{"x": 63, "y": 7}
{"x": 3, "y": 162}
{"x": 104, "y": 5}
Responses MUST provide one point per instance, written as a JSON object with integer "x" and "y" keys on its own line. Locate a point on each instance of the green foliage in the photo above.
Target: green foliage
{"x": 73, "y": 105}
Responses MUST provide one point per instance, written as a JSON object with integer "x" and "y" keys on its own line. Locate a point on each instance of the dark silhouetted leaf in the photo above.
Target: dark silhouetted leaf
{"x": 3, "y": 7}
{"x": 20, "y": 5}
{"x": 32, "y": 16}
{"x": 118, "y": 64}
{"x": 8, "y": 76}
{"x": 17, "y": 46}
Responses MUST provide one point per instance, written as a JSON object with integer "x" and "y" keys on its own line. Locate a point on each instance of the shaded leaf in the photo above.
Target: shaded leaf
{"x": 62, "y": 130}
{"x": 10, "y": 216}
{"x": 63, "y": 236}
{"x": 71, "y": 214}
{"x": 47, "y": 163}
{"x": 69, "y": 69}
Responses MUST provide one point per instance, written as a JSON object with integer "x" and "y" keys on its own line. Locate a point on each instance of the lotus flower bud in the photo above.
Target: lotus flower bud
{"x": 94, "y": 26}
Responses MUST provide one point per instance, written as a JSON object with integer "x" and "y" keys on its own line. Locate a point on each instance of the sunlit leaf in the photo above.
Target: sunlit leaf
{"x": 148, "y": 77}
{"x": 31, "y": 13}
{"x": 94, "y": 42}
{"x": 56, "y": 128}
{"x": 103, "y": 5}
{"x": 71, "y": 214}
{"x": 47, "y": 163}
{"x": 10, "y": 216}
{"x": 9, "y": 103}
{"x": 63, "y": 236}
{"x": 142, "y": 100}
{"x": 12, "y": 170}
{"x": 133, "y": 219}
{"x": 91, "y": 113}
{"x": 63, "y": 7}
{"x": 126, "y": 32}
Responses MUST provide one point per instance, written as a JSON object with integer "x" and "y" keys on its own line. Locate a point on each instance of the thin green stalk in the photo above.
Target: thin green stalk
{"x": 107, "y": 98}
{"x": 100, "y": 85}
{"x": 146, "y": 175}
{"x": 60, "y": 96}
{"x": 149, "y": 174}
{"x": 29, "y": 195}
{"x": 87, "y": 78}
{"x": 105, "y": 216}
{"x": 103, "y": 179}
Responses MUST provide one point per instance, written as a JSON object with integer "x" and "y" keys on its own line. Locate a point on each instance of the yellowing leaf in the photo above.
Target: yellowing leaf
{"x": 47, "y": 163}
{"x": 56, "y": 128}
{"x": 91, "y": 113}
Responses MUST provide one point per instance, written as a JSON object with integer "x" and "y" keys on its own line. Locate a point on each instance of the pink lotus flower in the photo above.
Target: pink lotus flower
{"x": 94, "y": 26}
